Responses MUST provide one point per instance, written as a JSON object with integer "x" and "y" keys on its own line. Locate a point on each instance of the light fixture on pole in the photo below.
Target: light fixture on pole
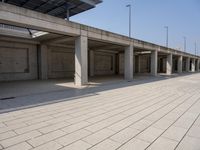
{"x": 184, "y": 43}
{"x": 195, "y": 48}
{"x": 129, "y": 6}
{"x": 167, "y": 36}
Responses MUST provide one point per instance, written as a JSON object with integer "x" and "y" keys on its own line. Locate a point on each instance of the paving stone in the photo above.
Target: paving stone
{"x": 194, "y": 132}
{"x": 106, "y": 145}
{"x": 150, "y": 134}
{"x": 75, "y": 127}
{"x": 175, "y": 133}
{"x": 46, "y": 138}
{"x": 124, "y": 135}
{"x": 20, "y": 138}
{"x": 189, "y": 143}
{"x": 49, "y": 146}
{"x": 20, "y": 146}
{"x": 6, "y": 135}
{"x": 135, "y": 144}
{"x": 163, "y": 124}
{"x": 79, "y": 145}
{"x": 141, "y": 125}
{"x": 30, "y": 128}
{"x": 98, "y": 136}
{"x": 70, "y": 138}
{"x": 53, "y": 127}
{"x": 163, "y": 144}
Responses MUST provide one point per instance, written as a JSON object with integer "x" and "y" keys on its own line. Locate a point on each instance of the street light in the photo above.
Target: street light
{"x": 184, "y": 43}
{"x": 195, "y": 47}
{"x": 167, "y": 34}
{"x": 129, "y": 6}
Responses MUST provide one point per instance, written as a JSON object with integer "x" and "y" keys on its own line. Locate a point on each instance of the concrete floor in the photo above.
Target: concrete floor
{"x": 147, "y": 113}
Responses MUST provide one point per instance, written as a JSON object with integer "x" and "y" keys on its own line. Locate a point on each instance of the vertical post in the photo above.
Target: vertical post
{"x": 67, "y": 14}
{"x": 128, "y": 71}
{"x": 169, "y": 64}
{"x": 167, "y": 35}
{"x": 188, "y": 64}
{"x": 43, "y": 62}
{"x": 198, "y": 65}
{"x": 184, "y": 43}
{"x": 154, "y": 63}
{"x": 180, "y": 64}
{"x": 193, "y": 65}
{"x": 129, "y": 6}
{"x": 91, "y": 63}
{"x": 81, "y": 60}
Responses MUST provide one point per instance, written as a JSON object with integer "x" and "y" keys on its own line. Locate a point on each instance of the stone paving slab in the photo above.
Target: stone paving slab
{"x": 154, "y": 114}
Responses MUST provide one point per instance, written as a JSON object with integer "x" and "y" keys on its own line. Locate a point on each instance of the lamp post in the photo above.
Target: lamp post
{"x": 195, "y": 47}
{"x": 184, "y": 43}
{"x": 167, "y": 36}
{"x": 129, "y": 6}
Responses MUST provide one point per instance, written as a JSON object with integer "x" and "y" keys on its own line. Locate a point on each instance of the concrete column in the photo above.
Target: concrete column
{"x": 134, "y": 62}
{"x": 188, "y": 64}
{"x": 139, "y": 64}
{"x": 193, "y": 65}
{"x": 154, "y": 63}
{"x": 81, "y": 60}
{"x": 169, "y": 64}
{"x": 43, "y": 62}
{"x": 180, "y": 64}
{"x": 198, "y": 61}
{"x": 91, "y": 63}
{"x": 128, "y": 68}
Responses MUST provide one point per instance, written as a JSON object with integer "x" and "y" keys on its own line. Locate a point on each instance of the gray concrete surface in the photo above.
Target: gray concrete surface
{"x": 148, "y": 113}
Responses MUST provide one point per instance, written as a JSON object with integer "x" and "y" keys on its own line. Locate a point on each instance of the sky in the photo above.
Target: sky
{"x": 149, "y": 17}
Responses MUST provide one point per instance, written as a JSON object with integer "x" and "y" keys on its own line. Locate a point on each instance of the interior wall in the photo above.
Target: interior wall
{"x": 121, "y": 63}
{"x": 162, "y": 64}
{"x": 104, "y": 63}
{"x": 61, "y": 62}
{"x": 18, "y": 61}
{"x": 142, "y": 63}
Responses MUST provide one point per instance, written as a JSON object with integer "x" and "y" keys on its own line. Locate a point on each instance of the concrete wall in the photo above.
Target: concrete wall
{"x": 18, "y": 61}
{"x": 121, "y": 63}
{"x": 104, "y": 63}
{"x": 61, "y": 62}
{"x": 142, "y": 63}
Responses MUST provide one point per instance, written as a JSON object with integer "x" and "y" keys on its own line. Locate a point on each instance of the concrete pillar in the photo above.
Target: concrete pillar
{"x": 128, "y": 68}
{"x": 154, "y": 63}
{"x": 134, "y": 63}
{"x": 193, "y": 65}
{"x": 43, "y": 62}
{"x": 180, "y": 64}
{"x": 198, "y": 61}
{"x": 81, "y": 60}
{"x": 139, "y": 64}
{"x": 91, "y": 63}
{"x": 188, "y": 64}
{"x": 169, "y": 64}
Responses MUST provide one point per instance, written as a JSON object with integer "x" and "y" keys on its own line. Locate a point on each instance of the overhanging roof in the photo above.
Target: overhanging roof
{"x": 56, "y": 8}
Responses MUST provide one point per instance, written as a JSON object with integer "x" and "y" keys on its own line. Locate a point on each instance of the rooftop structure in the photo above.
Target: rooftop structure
{"x": 58, "y": 8}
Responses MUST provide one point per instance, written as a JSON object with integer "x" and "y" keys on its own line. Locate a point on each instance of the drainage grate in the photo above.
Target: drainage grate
{"x": 6, "y": 98}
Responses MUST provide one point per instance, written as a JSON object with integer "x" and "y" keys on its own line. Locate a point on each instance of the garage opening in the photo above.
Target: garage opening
{"x": 105, "y": 61}
{"x": 27, "y": 54}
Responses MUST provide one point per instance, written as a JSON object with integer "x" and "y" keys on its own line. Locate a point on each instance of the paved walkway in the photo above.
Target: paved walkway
{"x": 158, "y": 115}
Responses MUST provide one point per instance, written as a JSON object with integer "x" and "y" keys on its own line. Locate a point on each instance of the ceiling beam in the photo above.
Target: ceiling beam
{"x": 60, "y": 40}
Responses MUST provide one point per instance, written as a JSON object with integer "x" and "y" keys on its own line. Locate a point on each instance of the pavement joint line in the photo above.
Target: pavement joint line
{"x": 187, "y": 131}
{"x": 83, "y": 120}
{"x": 129, "y": 125}
{"x": 174, "y": 122}
{"x": 89, "y": 125}
{"x": 151, "y": 124}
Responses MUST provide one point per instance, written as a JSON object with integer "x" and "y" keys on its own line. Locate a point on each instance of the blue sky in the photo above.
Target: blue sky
{"x": 148, "y": 20}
